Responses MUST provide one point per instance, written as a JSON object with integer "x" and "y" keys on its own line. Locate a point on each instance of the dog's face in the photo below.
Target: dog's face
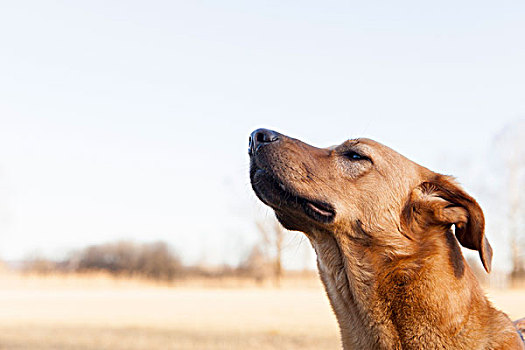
{"x": 359, "y": 186}
{"x": 314, "y": 188}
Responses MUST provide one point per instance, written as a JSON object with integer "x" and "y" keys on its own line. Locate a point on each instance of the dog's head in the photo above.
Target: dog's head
{"x": 363, "y": 188}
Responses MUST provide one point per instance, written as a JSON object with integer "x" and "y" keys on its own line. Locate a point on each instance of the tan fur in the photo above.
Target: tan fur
{"x": 389, "y": 256}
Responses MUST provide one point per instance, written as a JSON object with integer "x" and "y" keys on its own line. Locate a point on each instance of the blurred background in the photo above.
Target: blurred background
{"x": 127, "y": 220}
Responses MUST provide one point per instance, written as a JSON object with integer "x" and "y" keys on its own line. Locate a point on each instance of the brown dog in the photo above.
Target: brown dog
{"x": 387, "y": 253}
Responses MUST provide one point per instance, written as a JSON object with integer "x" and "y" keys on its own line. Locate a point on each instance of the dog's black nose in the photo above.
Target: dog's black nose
{"x": 259, "y": 137}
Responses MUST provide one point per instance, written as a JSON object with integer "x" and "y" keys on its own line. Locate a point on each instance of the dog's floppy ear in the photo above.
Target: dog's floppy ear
{"x": 440, "y": 201}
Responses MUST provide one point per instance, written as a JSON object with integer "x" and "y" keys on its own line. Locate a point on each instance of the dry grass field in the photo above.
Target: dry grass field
{"x": 100, "y": 313}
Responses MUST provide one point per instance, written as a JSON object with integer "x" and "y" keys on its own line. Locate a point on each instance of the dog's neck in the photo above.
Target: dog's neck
{"x": 377, "y": 298}
{"x": 348, "y": 281}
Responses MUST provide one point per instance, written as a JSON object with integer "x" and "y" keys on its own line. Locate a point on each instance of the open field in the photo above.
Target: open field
{"x": 73, "y": 313}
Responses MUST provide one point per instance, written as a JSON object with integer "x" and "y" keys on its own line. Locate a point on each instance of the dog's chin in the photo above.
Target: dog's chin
{"x": 292, "y": 210}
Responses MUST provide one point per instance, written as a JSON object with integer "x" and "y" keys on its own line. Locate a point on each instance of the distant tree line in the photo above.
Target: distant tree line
{"x": 158, "y": 261}
{"x": 155, "y": 261}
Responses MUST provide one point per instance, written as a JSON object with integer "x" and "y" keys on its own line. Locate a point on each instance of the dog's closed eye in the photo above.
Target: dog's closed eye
{"x": 353, "y": 155}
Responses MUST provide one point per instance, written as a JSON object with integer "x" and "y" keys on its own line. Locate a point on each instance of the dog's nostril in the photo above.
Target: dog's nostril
{"x": 264, "y": 135}
{"x": 261, "y": 136}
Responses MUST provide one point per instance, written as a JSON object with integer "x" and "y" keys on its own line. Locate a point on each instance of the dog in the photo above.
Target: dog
{"x": 387, "y": 235}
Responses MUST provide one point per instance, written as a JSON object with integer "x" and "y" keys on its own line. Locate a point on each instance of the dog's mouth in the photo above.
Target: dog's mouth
{"x": 277, "y": 195}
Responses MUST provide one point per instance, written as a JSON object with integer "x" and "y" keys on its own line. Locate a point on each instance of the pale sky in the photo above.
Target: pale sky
{"x": 130, "y": 119}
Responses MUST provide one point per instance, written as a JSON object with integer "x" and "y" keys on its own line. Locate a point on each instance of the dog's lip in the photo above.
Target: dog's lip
{"x": 317, "y": 210}
{"x": 321, "y": 209}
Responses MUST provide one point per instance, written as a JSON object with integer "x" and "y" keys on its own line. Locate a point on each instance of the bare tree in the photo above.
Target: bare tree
{"x": 514, "y": 168}
{"x": 272, "y": 234}
{"x": 255, "y": 265}
{"x": 511, "y": 142}
{"x": 39, "y": 265}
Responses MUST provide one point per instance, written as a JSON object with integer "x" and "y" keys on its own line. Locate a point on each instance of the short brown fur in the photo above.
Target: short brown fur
{"x": 386, "y": 232}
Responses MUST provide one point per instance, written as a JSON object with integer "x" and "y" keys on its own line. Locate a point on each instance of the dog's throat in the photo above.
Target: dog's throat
{"x": 346, "y": 278}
